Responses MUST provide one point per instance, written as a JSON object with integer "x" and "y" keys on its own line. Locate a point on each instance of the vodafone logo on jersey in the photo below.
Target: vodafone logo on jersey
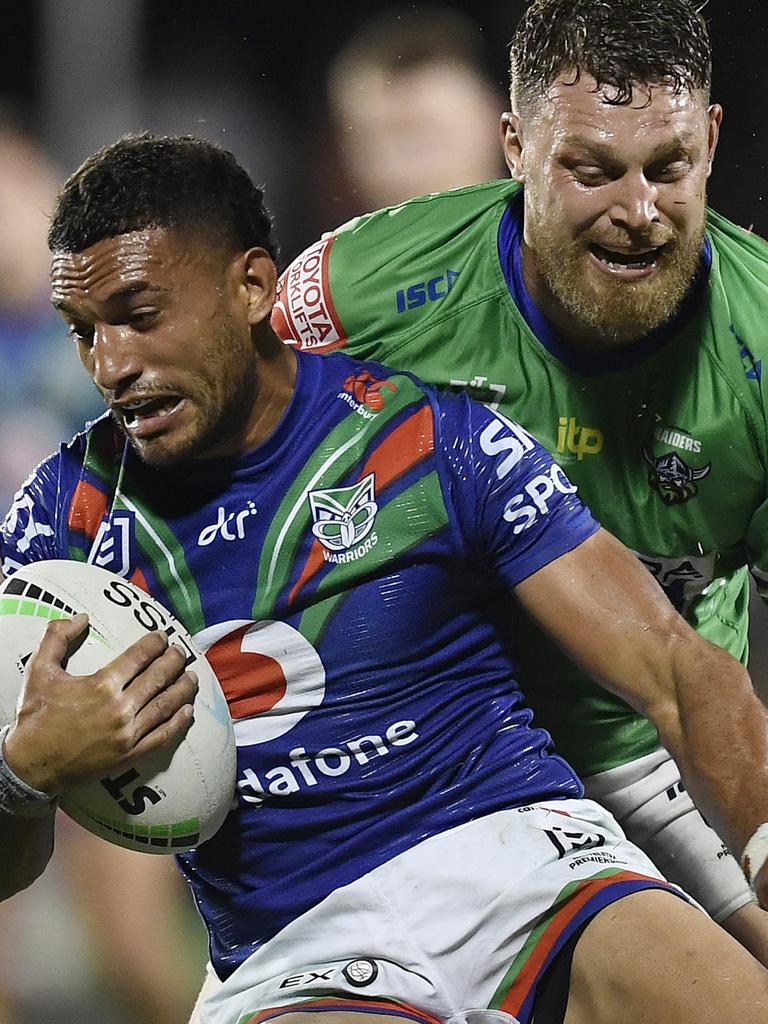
{"x": 303, "y": 314}
{"x": 270, "y": 674}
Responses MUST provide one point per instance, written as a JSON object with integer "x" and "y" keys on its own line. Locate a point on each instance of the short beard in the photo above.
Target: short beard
{"x": 225, "y": 411}
{"x": 617, "y": 312}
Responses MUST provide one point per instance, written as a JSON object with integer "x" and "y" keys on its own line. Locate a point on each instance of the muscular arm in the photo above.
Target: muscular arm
{"x": 610, "y": 616}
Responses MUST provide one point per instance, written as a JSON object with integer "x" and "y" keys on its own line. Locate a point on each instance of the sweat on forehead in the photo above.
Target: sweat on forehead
{"x": 123, "y": 267}
{"x": 621, "y": 44}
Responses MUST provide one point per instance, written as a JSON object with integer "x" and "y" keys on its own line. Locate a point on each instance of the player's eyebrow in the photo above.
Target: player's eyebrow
{"x": 125, "y": 292}
{"x": 136, "y": 288}
{"x": 678, "y": 145}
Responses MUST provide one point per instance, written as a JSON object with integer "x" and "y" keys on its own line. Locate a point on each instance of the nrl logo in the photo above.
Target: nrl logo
{"x": 672, "y": 478}
{"x": 344, "y": 516}
{"x": 113, "y": 545}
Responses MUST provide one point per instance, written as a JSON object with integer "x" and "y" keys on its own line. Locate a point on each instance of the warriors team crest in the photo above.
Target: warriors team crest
{"x": 344, "y": 516}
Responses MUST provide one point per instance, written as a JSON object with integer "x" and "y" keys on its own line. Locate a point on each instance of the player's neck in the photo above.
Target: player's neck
{"x": 274, "y": 391}
{"x": 277, "y": 381}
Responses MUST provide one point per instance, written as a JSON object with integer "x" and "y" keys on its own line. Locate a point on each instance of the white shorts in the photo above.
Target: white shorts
{"x": 651, "y": 804}
{"x": 468, "y": 919}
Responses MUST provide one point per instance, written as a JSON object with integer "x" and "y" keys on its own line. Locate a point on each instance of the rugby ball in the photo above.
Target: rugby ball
{"x": 170, "y": 800}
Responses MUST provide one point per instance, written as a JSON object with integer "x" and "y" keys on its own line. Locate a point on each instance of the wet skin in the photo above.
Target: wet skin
{"x": 175, "y": 336}
{"x": 614, "y": 204}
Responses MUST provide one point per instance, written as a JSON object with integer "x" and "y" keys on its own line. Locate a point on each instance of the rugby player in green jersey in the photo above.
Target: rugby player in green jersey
{"x": 596, "y": 300}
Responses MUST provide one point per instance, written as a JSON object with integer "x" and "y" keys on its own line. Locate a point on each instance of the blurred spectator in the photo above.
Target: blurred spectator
{"x": 124, "y": 932}
{"x": 43, "y": 393}
{"x": 413, "y": 109}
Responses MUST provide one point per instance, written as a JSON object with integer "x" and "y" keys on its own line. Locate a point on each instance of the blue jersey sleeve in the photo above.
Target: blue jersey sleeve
{"x": 30, "y": 531}
{"x": 514, "y": 508}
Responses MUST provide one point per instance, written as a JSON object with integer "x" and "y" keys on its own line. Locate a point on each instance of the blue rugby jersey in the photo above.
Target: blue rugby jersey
{"x": 346, "y": 578}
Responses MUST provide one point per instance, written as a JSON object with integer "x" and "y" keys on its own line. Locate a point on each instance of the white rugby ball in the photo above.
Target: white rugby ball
{"x": 170, "y": 800}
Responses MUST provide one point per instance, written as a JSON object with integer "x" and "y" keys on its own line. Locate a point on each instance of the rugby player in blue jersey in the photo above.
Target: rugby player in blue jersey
{"x": 340, "y": 538}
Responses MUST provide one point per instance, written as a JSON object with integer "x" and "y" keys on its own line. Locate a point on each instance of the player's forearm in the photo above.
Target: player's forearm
{"x": 26, "y": 845}
{"x": 716, "y": 728}
{"x": 26, "y": 827}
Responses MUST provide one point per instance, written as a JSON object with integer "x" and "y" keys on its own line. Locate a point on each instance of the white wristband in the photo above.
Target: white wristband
{"x": 755, "y": 854}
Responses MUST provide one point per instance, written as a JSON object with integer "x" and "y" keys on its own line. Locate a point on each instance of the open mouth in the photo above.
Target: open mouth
{"x": 622, "y": 261}
{"x": 149, "y": 414}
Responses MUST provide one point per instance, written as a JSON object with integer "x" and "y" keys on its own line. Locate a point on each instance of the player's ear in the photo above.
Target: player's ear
{"x": 259, "y": 280}
{"x": 715, "y": 119}
{"x": 512, "y": 145}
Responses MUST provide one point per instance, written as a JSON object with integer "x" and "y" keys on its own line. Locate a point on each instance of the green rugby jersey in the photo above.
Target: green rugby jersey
{"x": 666, "y": 440}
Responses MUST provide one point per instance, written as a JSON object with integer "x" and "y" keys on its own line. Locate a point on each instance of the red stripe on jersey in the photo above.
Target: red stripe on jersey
{"x": 408, "y": 445}
{"x": 350, "y": 1005}
{"x": 87, "y": 509}
{"x": 139, "y": 580}
{"x": 314, "y": 564}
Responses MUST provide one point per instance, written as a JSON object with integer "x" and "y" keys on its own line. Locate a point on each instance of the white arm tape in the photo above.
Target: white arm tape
{"x": 755, "y": 854}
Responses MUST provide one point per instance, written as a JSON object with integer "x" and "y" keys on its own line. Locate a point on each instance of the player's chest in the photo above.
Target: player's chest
{"x": 662, "y": 453}
{"x": 274, "y": 545}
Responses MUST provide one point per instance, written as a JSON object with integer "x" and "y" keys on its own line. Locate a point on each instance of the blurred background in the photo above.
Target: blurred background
{"x": 336, "y": 108}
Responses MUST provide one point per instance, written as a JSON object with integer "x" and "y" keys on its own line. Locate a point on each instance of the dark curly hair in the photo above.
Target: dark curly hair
{"x": 177, "y": 182}
{"x": 620, "y": 43}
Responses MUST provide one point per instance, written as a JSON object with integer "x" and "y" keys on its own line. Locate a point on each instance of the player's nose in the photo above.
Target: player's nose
{"x": 634, "y": 202}
{"x": 115, "y": 359}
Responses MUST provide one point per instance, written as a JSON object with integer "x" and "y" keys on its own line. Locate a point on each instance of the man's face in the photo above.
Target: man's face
{"x": 162, "y": 327}
{"x": 614, "y": 205}
{"x": 423, "y": 129}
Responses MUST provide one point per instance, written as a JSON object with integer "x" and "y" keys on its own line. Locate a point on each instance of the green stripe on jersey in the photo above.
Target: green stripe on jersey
{"x": 331, "y": 461}
{"x": 394, "y": 521}
{"x": 160, "y": 545}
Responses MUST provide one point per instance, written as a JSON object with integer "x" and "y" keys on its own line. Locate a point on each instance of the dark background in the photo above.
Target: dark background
{"x": 83, "y": 71}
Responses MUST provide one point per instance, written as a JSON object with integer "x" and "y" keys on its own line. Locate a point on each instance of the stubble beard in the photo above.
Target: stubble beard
{"x": 617, "y": 312}
{"x": 223, "y": 407}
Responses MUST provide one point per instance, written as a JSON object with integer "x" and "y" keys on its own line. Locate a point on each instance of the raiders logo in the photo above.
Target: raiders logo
{"x": 672, "y": 478}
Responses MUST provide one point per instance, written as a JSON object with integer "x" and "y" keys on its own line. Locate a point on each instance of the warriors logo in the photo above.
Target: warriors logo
{"x": 672, "y": 478}
{"x": 343, "y": 516}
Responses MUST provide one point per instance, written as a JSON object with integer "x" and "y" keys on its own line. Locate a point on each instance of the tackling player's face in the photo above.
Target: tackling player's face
{"x": 614, "y": 205}
{"x": 163, "y": 327}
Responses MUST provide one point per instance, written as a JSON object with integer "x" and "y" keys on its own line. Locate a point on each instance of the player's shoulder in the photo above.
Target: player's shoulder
{"x": 462, "y": 430}
{"x": 370, "y": 383}
{"x": 53, "y": 480}
{"x": 737, "y": 298}
{"x": 740, "y": 258}
{"x": 425, "y": 213}
{"x": 731, "y": 329}
{"x": 359, "y": 280}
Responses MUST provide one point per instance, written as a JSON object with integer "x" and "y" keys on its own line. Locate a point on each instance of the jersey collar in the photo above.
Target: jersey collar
{"x": 510, "y": 238}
